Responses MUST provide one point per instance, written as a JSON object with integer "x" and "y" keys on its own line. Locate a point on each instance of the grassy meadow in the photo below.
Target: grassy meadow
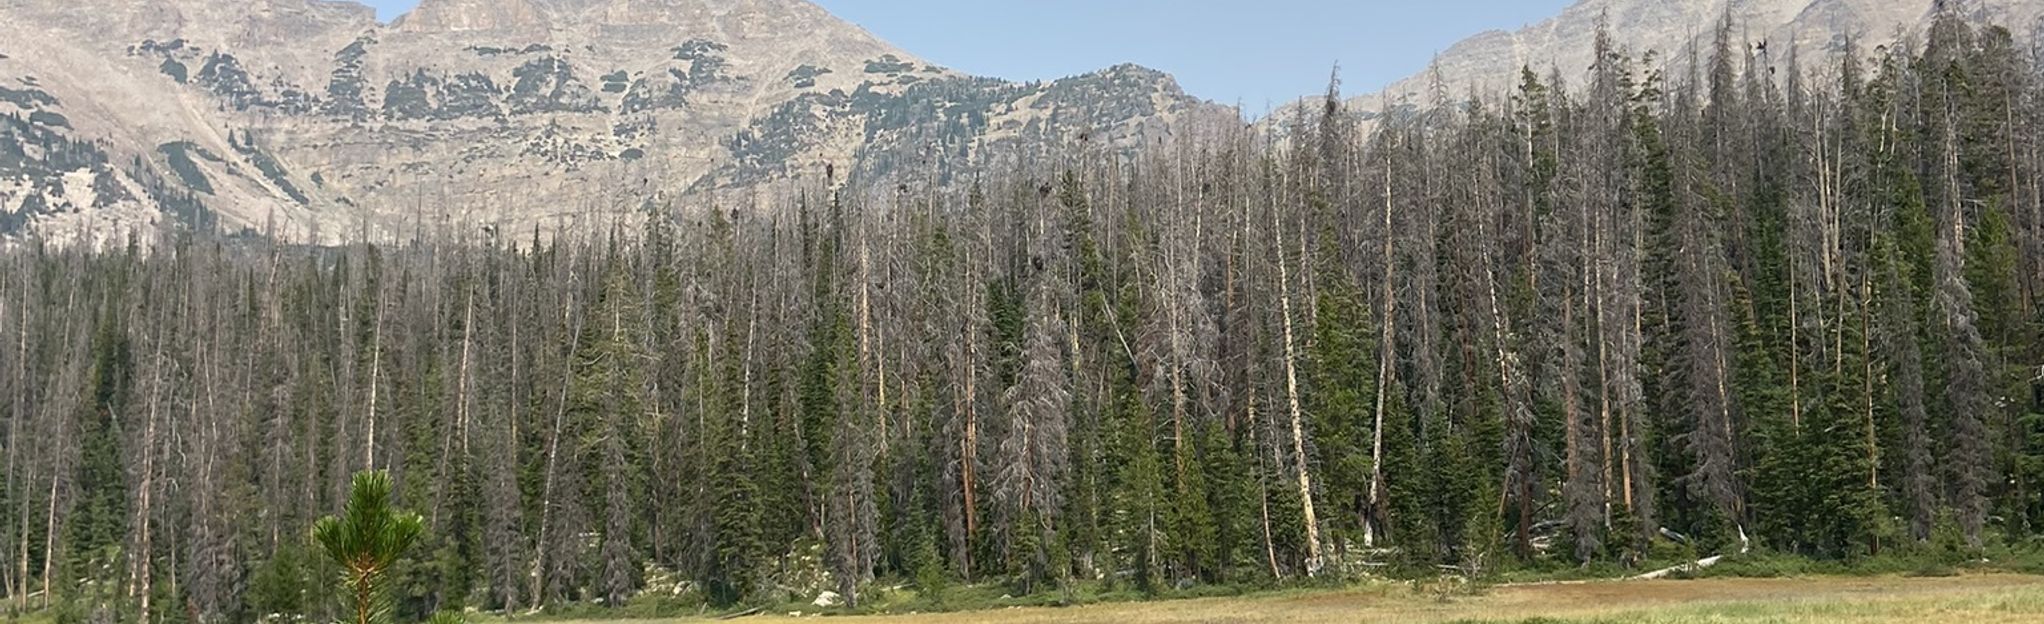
{"x": 1967, "y": 599}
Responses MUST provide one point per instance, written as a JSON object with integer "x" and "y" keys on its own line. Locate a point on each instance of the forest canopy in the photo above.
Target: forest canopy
{"x": 1727, "y": 301}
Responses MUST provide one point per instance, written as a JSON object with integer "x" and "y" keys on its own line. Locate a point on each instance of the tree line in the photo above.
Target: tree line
{"x": 1732, "y": 300}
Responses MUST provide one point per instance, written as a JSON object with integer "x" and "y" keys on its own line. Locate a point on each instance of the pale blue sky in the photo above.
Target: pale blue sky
{"x": 1259, "y": 53}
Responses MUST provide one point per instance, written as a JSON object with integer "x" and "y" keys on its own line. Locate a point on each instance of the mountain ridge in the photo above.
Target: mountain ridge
{"x": 1489, "y": 62}
{"x": 311, "y": 120}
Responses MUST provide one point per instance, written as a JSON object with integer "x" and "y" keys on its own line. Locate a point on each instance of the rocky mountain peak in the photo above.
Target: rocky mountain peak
{"x": 310, "y": 120}
{"x": 472, "y": 15}
{"x": 484, "y": 15}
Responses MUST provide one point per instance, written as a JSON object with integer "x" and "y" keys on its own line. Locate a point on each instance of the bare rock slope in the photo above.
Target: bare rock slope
{"x": 310, "y": 120}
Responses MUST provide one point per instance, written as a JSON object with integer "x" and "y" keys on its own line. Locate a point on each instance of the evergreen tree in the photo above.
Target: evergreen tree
{"x": 1590, "y": 323}
{"x": 365, "y": 541}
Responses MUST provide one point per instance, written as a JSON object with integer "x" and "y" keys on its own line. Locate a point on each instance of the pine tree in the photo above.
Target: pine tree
{"x": 1584, "y": 324}
{"x": 1342, "y": 388}
{"x": 99, "y": 521}
{"x": 609, "y": 391}
{"x": 1138, "y": 498}
{"x": 734, "y": 516}
{"x": 1233, "y": 499}
{"x": 1847, "y": 501}
{"x": 365, "y": 541}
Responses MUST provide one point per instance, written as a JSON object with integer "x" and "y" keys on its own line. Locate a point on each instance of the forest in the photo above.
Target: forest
{"x": 1731, "y": 301}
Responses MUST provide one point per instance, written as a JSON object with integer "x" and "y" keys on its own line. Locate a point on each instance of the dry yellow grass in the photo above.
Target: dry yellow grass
{"x": 1987, "y": 599}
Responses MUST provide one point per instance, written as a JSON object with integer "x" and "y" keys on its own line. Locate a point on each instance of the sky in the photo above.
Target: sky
{"x": 1256, "y": 53}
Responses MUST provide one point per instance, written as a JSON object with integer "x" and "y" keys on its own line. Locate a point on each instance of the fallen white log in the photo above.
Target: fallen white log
{"x": 1687, "y": 567}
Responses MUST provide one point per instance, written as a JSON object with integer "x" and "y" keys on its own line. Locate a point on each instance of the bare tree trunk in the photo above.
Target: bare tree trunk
{"x": 1867, "y": 378}
{"x": 139, "y": 573}
{"x": 1386, "y": 348}
{"x": 546, "y": 498}
{"x": 745, "y": 387}
{"x": 50, "y": 539}
{"x": 1269, "y": 548}
{"x": 1292, "y": 399}
{"x": 1794, "y": 352}
{"x": 1585, "y": 489}
{"x": 375, "y": 374}
{"x": 1633, "y": 463}
{"x": 1518, "y": 480}
{"x": 969, "y": 454}
{"x": 867, "y": 337}
{"x": 1262, "y": 491}
{"x": 1604, "y": 382}
{"x": 461, "y": 400}
{"x": 1177, "y": 374}
{"x": 1576, "y": 439}
{"x": 14, "y": 469}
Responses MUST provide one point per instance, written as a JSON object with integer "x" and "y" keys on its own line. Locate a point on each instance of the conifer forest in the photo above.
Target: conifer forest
{"x": 1651, "y": 310}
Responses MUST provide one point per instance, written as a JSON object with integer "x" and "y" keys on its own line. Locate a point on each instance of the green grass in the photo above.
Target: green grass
{"x": 899, "y": 596}
{"x": 36, "y": 617}
{"x": 1986, "y": 606}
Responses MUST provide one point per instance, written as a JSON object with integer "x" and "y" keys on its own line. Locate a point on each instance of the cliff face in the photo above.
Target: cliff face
{"x": 309, "y": 119}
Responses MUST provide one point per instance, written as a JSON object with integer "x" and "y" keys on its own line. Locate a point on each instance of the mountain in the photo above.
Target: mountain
{"x": 309, "y": 119}
{"x": 1816, "y": 30}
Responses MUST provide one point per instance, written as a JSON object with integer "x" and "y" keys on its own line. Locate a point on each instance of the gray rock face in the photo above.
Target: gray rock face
{"x": 435, "y": 16}
{"x": 309, "y": 120}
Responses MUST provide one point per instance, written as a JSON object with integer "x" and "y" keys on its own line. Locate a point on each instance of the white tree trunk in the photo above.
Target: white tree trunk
{"x": 1312, "y": 521}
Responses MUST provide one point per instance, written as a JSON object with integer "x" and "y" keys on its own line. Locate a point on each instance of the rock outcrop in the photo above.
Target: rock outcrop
{"x": 311, "y": 121}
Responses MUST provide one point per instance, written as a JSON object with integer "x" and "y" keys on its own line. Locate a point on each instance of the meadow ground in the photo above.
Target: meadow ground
{"x": 1972, "y": 599}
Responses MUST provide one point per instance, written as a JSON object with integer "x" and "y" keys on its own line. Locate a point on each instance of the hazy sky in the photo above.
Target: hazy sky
{"x": 1259, "y": 53}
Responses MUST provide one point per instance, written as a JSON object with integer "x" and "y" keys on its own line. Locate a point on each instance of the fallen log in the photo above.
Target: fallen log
{"x": 746, "y": 613}
{"x": 1745, "y": 546}
{"x": 1687, "y": 567}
